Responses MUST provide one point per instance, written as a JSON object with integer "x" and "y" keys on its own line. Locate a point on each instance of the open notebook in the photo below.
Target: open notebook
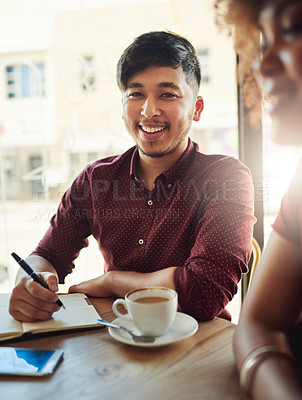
{"x": 79, "y": 314}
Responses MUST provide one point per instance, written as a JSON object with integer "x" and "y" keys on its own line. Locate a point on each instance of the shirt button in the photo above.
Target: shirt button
{"x": 141, "y": 241}
{"x": 170, "y": 185}
{"x": 150, "y": 202}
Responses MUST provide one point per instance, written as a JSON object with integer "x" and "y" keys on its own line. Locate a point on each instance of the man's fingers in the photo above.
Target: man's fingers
{"x": 26, "y": 312}
{"x": 51, "y": 280}
{"x": 93, "y": 287}
{"x": 38, "y": 291}
{"x": 30, "y": 301}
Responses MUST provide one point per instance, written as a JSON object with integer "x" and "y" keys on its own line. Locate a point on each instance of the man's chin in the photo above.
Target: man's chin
{"x": 154, "y": 154}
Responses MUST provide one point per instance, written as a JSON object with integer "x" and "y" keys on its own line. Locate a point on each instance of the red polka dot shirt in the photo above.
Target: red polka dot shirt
{"x": 199, "y": 218}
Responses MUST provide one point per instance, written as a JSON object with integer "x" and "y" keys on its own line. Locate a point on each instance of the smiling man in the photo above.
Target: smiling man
{"x": 159, "y": 107}
{"x": 162, "y": 213}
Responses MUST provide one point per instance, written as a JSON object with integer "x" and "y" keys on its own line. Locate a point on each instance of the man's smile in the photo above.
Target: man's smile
{"x": 152, "y": 129}
{"x": 152, "y": 132}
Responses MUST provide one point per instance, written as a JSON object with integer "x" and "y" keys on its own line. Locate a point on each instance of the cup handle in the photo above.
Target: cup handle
{"x": 116, "y": 311}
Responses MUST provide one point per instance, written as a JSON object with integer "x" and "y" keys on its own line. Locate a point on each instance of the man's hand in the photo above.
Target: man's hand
{"x": 30, "y": 301}
{"x": 118, "y": 283}
{"x": 94, "y": 287}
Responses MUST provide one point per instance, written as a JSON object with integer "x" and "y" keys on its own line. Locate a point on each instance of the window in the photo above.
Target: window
{"x": 36, "y": 183}
{"x": 25, "y": 80}
{"x": 92, "y": 156}
{"x": 204, "y": 60}
{"x": 77, "y": 46}
{"x": 87, "y": 74}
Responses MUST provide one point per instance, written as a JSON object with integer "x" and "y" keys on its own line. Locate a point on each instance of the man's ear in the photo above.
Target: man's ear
{"x": 198, "y": 108}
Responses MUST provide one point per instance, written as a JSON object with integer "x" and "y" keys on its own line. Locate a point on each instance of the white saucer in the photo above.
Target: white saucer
{"x": 183, "y": 327}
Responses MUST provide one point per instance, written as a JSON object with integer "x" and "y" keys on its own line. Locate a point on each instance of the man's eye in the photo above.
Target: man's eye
{"x": 135, "y": 94}
{"x": 168, "y": 95}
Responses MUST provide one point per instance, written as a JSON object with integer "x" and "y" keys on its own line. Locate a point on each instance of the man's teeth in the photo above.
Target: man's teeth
{"x": 153, "y": 129}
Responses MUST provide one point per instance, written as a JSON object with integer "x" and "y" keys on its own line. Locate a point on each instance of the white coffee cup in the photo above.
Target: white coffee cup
{"x": 152, "y": 310}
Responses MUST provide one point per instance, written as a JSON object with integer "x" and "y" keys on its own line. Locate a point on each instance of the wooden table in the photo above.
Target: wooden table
{"x": 95, "y": 366}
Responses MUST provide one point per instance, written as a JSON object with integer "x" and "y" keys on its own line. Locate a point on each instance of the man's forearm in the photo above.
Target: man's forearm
{"x": 121, "y": 282}
{"x": 38, "y": 264}
{"x": 118, "y": 283}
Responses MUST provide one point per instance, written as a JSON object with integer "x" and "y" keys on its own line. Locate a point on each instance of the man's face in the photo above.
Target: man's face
{"x": 158, "y": 109}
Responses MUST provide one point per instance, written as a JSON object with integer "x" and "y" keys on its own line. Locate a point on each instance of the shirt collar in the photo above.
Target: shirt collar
{"x": 178, "y": 169}
{"x": 175, "y": 171}
{"x": 133, "y": 168}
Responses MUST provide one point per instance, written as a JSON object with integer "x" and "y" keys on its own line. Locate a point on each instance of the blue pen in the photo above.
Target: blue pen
{"x": 23, "y": 264}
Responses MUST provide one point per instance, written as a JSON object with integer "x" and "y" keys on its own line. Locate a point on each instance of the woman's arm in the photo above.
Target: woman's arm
{"x": 272, "y": 308}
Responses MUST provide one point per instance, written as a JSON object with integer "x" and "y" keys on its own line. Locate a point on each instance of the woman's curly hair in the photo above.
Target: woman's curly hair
{"x": 240, "y": 20}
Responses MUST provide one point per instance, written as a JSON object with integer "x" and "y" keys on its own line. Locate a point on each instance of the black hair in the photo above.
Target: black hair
{"x": 162, "y": 49}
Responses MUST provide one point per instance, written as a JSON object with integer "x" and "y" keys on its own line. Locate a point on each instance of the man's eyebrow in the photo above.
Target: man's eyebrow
{"x": 134, "y": 85}
{"x": 171, "y": 85}
{"x": 168, "y": 85}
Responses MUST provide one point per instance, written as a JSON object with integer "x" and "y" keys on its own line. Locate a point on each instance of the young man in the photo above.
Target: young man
{"x": 163, "y": 213}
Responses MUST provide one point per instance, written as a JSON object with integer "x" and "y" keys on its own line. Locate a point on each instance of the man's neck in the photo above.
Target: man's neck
{"x": 149, "y": 168}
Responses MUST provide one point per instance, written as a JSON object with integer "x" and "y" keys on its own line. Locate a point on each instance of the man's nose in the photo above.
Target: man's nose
{"x": 150, "y": 108}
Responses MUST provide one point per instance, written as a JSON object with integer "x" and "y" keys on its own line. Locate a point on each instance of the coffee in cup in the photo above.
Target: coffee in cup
{"x": 152, "y": 310}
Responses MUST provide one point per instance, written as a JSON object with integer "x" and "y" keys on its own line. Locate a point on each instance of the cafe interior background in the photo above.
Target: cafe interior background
{"x": 60, "y": 109}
